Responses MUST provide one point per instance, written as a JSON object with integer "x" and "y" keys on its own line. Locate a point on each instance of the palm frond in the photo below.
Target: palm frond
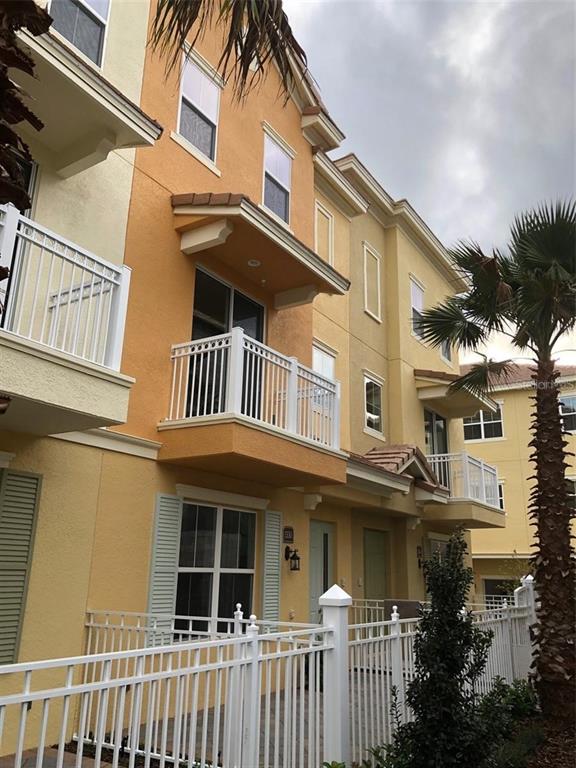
{"x": 256, "y": 33}
{"x": 449, "y": 322}
{"x": 482, "y": 377}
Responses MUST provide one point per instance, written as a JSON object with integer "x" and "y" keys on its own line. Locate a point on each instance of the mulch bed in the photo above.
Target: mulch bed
{"x": 558, "y": 750}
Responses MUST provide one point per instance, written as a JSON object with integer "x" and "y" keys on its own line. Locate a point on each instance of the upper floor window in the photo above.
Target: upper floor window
{"x": 446, "y": 351}
{"x": 277, "y": 177}
{"x": 199, "y": 107}
{"x": 501, "y": 495}
{"x": 484, "y": 425}
{"x": 324, "y": 233}
{"x": 417, "y": 303}
{"x": 568, "y": 411}
{"x": 323, "y": 362}
{"x": 571, "y": 489}
{"x": 372, "y": 282}
{"x": 373, "y": 405}
{"x": 83, "y": 23}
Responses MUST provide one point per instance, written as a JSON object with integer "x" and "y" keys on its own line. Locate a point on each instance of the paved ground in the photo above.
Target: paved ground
{"x": 49, "y": 761}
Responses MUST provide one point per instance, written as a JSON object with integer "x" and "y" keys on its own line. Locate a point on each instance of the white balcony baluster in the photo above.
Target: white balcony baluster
{"x": 237, "y": 375}
{"x": 466, "y": 477}
{"x": 60, "y": 295}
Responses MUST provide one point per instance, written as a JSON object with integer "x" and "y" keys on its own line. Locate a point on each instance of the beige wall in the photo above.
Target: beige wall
{"x": 511, "y": 454}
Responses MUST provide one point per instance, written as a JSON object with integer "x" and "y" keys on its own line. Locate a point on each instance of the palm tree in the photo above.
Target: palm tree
{"x": 255, "y": 33}
{"x": 529, "y": 294}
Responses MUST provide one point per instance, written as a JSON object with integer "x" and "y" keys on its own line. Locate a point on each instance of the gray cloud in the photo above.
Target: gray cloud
{"x": 465, "y": 108}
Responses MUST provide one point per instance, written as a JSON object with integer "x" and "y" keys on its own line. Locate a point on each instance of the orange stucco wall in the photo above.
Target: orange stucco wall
{"x": 162, "y": 287}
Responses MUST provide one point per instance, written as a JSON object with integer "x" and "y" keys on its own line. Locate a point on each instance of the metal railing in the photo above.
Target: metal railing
{"x": 233, "y": 374}
{"x": 466, "y": 477}
{"x": 255, "y": 697}
{"x": 59, "y": 294}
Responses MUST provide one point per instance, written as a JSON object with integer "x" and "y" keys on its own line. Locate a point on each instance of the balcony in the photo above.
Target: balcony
{"x": 61, "y": 332}
{"x": 252, "y": 409}
{"x": 473, "y": 487}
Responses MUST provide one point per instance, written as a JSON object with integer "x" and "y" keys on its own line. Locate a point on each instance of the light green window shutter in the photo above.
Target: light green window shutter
{"x": 18, "y": 510}
{"x": 165, "y": 554}
{"x": 271, "y": 586}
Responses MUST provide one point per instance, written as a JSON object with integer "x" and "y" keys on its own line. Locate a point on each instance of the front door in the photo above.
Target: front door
{"x": 321, "y": 563}
{"x": 375, "y": 565}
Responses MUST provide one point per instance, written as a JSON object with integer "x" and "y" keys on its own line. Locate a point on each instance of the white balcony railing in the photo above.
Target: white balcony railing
{"x": 466, "y": 477}
{"x": 233, "y": 374}
{"x": 60, "y": 295}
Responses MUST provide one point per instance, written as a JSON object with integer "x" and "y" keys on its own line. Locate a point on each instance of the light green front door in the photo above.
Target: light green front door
{"x": 375, "y": 565}
{"x": 321, "y": 563}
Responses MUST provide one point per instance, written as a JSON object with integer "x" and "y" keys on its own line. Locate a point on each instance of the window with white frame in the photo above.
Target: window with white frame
{"x": 277, "y": 178}
{"x": 324, "y": 233}
{"x": 484, "y": 425}
{"x": 323, "y": 361}
{"x": 571, "y": 488}
{"x": 373, "y": 404}
{"x": 372, "y": 282}
{"x": 216, "y": 562}
{"x": 568, "y": 412}
{"x": 417, "y": 304}
{"x": 82, "y": 23}
{"x": 446, "y": 351}
{"x": 199, "y": 108}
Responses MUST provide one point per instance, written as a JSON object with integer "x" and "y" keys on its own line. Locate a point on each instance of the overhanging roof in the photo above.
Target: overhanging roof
{"x": 238, "y": 232}
{"x": 433, "y": 389}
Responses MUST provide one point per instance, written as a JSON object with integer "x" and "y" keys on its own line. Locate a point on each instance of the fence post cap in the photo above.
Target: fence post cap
{"x": 335, "y": 597}
{"x": 526, "y": 580}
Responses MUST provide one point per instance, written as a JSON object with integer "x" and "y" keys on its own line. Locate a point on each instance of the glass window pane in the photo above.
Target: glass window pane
{"x": 100, "y": 6}
{"x": 197, "y": 129}
{"x": 373, "y": 405}
{"x": 472, "y": 432}
{"x": 211, "y": 307}
{"x": 238, "y": 535}
{"x": 201, "y": 91}
{"x": 197, "y": 536}
{"x": 446, "y": 350}
{"x": 417, "y": 296}
{"x": 79, "y": 26}
{"x": 193, "y": 598}
{"x": 493, "y": 429}
{"x": 416, "y": 318}
{"x": 277, "y": 162}
{"x": 234, "y": 588}
{"x": 275, "y": 198}
{"x": 323, "y": 234}
{"x": 323, "y": 363}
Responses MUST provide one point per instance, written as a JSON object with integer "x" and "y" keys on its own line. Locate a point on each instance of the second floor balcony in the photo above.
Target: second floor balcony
{"x": 252, "y": 406}
{"x": 473, "y": 487}
{"x": 62, "y": 315}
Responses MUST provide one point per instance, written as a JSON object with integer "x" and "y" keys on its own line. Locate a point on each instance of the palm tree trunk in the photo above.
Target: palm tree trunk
{"x": 553, "y": 562}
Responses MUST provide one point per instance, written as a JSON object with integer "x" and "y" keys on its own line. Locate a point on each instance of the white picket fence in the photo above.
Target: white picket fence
{"x": 238, "y": 694}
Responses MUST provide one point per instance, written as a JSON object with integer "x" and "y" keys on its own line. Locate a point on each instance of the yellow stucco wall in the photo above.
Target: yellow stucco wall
{"x": 510, "y": 454}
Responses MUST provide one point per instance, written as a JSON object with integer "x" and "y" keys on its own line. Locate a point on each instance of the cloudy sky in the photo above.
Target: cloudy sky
{"x": 468, "y": 109}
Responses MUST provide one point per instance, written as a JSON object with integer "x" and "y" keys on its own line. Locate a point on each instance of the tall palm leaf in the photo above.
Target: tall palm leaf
{"x": 256, "y": 33}
{"x": 529, "y": 293}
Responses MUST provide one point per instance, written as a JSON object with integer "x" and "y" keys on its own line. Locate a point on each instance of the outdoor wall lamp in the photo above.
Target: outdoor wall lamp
{"x": 293, "y": 558}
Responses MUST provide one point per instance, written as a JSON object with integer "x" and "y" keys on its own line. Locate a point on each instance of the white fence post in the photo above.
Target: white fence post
{"x": 7, "y": 241}
{"x": 465, "y": 475}
{"x": 334, "y": 604}
{"x": 524, "y": 596}
{"x": 397, "y": 662}
{"x": 235, "y": 697}
{"x": 234, "y": 385}
{"x": 251, "y": 718}
{"x": 509, "y": 639}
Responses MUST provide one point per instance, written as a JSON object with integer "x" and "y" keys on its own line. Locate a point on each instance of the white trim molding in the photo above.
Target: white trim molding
{"x": 118, "y": 442}
{"x": 221, "y": 498}
{"x": 319, "y": 208}
{"x": 275, "y": 136}
{"x": 367, "y": 249}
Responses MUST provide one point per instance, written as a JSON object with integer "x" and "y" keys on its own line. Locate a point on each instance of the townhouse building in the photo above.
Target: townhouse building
{"x": 502, "y": 439}
{"x": 215, "y": 388}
